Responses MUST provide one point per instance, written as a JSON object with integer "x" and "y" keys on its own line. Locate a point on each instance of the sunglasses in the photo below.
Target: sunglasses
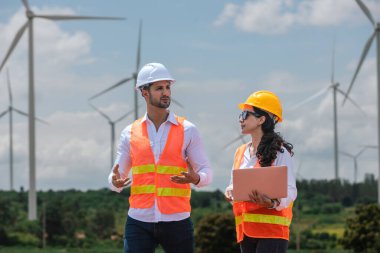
{"x": 244, "y": 115}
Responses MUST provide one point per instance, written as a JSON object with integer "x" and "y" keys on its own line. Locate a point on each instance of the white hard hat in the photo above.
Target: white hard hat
{"x": 153, "y": 72}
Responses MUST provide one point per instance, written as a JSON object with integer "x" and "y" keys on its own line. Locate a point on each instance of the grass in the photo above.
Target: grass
{"x": 320, "y": 251}
{"x": 55, "y": 250}
{"x": 97, "y": 250}
{"x": 62, "y": 250}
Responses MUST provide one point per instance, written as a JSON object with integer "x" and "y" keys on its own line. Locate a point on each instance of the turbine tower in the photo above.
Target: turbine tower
{"x": 134, "y": 78}
{"x": 334, "y": 86}
{"x": 355, "y": 158}
{"x": 112, "y": 125}
{"x": 10, "y": 110}
{"x": 375, "y": 33}
{"x": 30, "y": 15}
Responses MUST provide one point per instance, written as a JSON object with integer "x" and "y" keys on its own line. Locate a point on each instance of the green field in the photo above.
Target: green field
{"x": 97, "y": 250}
{"x": 74, "y": 220}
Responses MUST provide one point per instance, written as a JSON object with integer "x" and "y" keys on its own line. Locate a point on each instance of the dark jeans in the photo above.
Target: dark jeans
{"x": 263, "y": 245}
{"x": 173, "y": 236}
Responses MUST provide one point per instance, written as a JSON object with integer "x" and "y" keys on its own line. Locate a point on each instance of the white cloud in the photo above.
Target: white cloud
{"x": 71, "y": 151}
{"x": 229, "y": 12}
{"x": 74, "y": 150}
{"x": 278, "y": 16}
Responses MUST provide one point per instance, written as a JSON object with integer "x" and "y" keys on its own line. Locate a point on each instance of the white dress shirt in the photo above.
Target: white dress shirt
{"x": 192, "y": 148}
{"x": 282, "y": 159}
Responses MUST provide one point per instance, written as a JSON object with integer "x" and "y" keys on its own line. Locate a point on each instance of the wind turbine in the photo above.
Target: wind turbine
{"x": 375, "y": 33}
{"x": 239, "y": 137}
{"x": 10, "y": 110}
{"x": 124, "y": 80}
{"x": 32, "y": 197}
{"x": 133, "y": 77}
{"x": 112, "y": 125}
{"x": 355, "y": 158}
{"x": 335, "y": 90}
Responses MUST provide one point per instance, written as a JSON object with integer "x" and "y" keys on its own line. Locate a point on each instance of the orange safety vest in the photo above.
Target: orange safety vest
{"x": 256, "y": 221}
{"x": 151, "y": 181}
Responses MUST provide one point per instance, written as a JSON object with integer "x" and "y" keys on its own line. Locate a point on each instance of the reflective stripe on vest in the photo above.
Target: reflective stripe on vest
{"x": 143, "y": 189}
{"x": 160, "y": 169}
{"x": 257, "y": 221}
{"x": 170, "y": 170}
{"x": 143, "y": 169}
{"x": 262, "y": 218}
{"x": 151, "y": 180}
{"x": 173, "y": 192}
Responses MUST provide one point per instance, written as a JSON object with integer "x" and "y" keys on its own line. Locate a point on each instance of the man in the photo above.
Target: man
{"x": 165, "y": 155}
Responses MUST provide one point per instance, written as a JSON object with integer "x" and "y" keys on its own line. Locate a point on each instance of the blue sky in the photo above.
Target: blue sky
{"x": 218, "y": 51}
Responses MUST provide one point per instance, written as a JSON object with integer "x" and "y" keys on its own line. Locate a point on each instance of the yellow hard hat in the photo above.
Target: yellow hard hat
{"x": 264, "y": 100}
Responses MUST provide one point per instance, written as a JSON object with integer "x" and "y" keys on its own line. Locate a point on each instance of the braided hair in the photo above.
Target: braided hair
{"x": 271, "y": 142}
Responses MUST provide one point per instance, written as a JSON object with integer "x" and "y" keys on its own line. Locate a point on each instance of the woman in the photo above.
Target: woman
{"x": 262, "y": 224}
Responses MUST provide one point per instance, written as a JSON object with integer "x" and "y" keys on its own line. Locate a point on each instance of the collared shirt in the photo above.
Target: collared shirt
{"x": 282, "y": 159}
{"x": 192, "y": 148}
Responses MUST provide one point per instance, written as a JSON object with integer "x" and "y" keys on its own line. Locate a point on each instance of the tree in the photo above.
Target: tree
{"x": 363, "y": 230}
{"x": 103, "y": 223}
{"x": 216, "y": 233}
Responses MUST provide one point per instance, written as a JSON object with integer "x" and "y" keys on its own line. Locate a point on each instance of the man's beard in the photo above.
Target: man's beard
{"x": 158, "y": 103}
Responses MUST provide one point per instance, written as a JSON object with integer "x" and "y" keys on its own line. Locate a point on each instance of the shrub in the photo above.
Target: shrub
{"x": 363, "y": 230}
{"x": 216, "y": 233}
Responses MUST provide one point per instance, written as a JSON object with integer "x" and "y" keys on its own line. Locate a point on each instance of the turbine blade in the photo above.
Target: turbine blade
{"x": 124, "y": 116}
{"x": 242, "y": 139}
{"x": 75, "y": 17}
{"x": 178, "y": 103}
{"x": 311, "y": 98}
{"x": 333, "y": 62}
{"x": 9, "y": 88}
{"x": 41, "y": 121}
{"x": 351, "y": 100}
{"x": 363, "y": 56}
{"x": 20, "y": 112}
{"x": 138, "y": 49}
{"x": 346, "y": 154}
{"x": 16, "y": 39}
{"x": 27, "y": 115}
{"x": 232, "y": 142}
{"x": 127, "y": 114}
{"x": 361, "y": 151}
{"x": 100, "y": 112}
{"x": 111, "y": 88}
{"x": 366, "y": 12}
{"x": 4, "y": 112}
{"x": 299, "y": 167}
{"x": 26, "y": 4}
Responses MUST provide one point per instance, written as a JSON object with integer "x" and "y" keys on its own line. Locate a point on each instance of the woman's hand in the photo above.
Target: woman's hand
{"x": 260, "y": 199}
{"x": 228, "y": 194}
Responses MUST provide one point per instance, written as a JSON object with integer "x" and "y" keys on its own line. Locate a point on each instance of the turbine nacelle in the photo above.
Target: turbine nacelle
{"x": 29, "y": 14}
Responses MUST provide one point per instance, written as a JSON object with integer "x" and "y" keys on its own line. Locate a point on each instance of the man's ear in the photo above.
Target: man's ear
{"x": 144, "y": 93}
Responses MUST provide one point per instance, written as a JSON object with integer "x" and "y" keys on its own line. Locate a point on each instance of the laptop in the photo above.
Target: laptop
{"x": 271, "y": 181}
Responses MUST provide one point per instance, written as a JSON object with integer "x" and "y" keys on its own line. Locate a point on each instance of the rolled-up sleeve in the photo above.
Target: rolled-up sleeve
{"x": 196, "y": 153}
{"x": 122, "y": 158}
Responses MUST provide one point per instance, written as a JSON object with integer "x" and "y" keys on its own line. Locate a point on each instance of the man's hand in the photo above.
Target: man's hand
{"x": 116, "y": 179}
{"x": 260, "y": 199}
{"x": 187, "y": 177}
